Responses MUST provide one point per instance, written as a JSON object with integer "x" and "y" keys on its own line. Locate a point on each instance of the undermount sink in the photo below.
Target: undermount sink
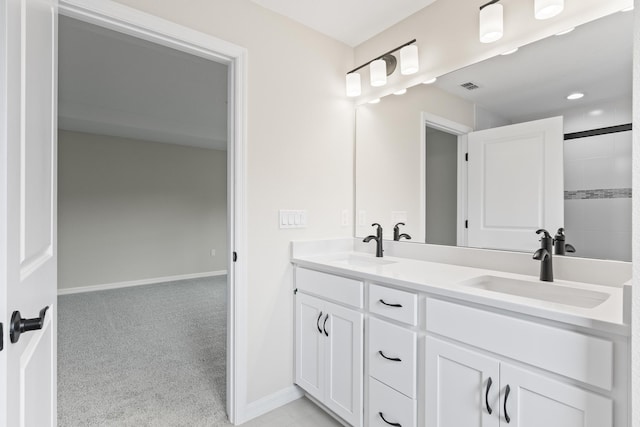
{"x": 362, "y": 261}
{"x": 539, "y": 290}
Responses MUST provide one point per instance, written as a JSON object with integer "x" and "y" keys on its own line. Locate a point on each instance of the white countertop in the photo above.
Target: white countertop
{"x": 446, "y": 280}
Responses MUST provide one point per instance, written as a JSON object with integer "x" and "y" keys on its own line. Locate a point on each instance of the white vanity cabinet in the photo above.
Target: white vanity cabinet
{"x": 467, "y": 388}
{"x": 383, "y": 355}
{"x": 329, "y": 349}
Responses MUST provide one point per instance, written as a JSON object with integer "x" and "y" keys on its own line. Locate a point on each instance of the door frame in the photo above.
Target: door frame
{"x": 124, "y": 19}
{"x": 461, "y": 131}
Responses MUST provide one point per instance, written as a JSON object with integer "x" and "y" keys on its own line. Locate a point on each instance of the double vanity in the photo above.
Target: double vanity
{"x": 405, "y": 341}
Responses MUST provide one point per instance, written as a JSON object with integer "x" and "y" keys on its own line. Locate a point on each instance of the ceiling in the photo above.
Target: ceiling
{"x": 351, "y": 21}
{"x": 596, "y": 59}
{"x": 110, "y": 83}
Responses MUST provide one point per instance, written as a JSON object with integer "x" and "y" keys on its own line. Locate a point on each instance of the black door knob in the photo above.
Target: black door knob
{"x": 20, "y": 325}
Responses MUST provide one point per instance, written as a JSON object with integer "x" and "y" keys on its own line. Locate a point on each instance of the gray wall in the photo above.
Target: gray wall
{"x": 442, "y": 187}
{"x": 134, "y": 210}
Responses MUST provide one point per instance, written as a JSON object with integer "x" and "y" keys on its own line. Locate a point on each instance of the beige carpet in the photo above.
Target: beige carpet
{"x": 143, "y": 356}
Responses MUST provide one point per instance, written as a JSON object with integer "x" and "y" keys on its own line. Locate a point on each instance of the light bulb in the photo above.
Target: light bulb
{"x": 409, "y": 60}
{"x": 491, "y": 23}
{"x": 353, "y": 85}
{"x": 545, "y": 9}
{"x": 378, "y": 70}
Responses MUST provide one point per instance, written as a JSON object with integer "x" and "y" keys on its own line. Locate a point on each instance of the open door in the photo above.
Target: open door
{"x": 28, "y": 52}
{"x": 515, "y": 184}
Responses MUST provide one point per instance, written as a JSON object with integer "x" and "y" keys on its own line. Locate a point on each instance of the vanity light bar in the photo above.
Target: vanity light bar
{"x": 384, "y": 65}
{"x": 383, "y": 55}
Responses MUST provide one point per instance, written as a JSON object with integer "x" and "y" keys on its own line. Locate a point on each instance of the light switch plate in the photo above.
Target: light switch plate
{"x": 293, "y": 218}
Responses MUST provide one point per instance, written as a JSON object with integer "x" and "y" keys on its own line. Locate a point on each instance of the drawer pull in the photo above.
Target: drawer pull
{"x": 393, "y": 359}
{"x": 324, "y": 325}
{"x": 391, "y": 424}
{"x": 390, "y": 305}
{"x": 486, "y": 396}
{"x": 506, "y": 397}
{"x": 318, "y": 323}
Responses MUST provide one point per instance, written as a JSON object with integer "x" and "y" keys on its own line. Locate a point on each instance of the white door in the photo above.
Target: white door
{"x": 461, "y": 387}
{"x": 28, "y": 50}
{"x": 344, "y": 354}
{"x": 310, "y": 345}
{"x": 535, "y": 401}
{"x": 515, "y": 184}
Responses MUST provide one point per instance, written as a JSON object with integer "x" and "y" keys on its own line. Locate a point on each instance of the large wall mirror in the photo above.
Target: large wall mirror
{"x": 489, "y": 153}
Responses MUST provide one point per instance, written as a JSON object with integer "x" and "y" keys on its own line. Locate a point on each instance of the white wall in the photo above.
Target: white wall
{"x": 389, "y": 156}
{"x": 300, "y": 156}
{"x": 133, "y": 210}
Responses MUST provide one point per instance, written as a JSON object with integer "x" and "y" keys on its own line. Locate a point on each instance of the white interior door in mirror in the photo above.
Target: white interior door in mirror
{"x": 515, "y": 184}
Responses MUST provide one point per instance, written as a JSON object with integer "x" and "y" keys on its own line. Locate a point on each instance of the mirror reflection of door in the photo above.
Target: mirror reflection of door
{"x": 515, "y": 176}
{"x": 441, "y": 176}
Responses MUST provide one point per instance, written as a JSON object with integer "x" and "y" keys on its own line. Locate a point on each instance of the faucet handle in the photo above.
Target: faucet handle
{"x": 546, "y": 233}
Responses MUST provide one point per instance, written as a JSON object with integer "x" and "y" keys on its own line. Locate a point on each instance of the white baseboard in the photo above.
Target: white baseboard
{"x": 269, "y": 403}
{"x": 93, "y": 288}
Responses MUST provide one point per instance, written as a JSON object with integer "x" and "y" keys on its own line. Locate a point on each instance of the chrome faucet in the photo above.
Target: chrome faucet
{"x": 544, "y": 256}
{"x": 559, "y": 245}
{"x": 396, "y": 233}
{"x": 377, "y": 238}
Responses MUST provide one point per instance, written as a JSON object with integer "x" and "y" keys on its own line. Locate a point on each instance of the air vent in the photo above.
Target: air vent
{"x": 469, "y": 85}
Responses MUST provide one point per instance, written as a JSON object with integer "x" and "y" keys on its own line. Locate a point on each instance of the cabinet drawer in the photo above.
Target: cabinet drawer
{"x": 394, "y": 304}
{"x": 388, "y": 403}
{"x": 337, "y": 288}
{"x": 395, "y": 343}
{"x": 572, "y": 354}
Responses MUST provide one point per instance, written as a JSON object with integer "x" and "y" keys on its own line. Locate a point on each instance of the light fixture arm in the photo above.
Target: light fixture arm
{"x": 489, "y": 4}
{"x": 385, "y": 54}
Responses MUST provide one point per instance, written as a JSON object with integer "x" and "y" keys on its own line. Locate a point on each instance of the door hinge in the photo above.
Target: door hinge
{"x": 466, "y": 157}
{"x": 1, "y": 337}
{"x": 466, "y": 223}
{"x": 235, "y": 256}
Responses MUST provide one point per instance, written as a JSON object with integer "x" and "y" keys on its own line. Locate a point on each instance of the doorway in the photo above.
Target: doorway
{"x": 150, "y": 29}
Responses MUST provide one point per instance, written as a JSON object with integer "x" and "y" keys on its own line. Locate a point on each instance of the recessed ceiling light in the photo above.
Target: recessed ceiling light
{"x": 575, "y": 95}
{"x": 627, "y": 9}
{"x": 509, "y": 52}
{"x": 374, "y": 101}
{"x": 429, "y": 81}
{"x": 567, "y": 31}
{"x": 400, "y": 92}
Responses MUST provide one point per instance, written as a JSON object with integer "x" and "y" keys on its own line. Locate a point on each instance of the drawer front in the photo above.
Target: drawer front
{"x": 329, "y": 286}
{"x": 394, "y": 304}
{"x": 396, "y": 365}
{"x": 572, "y": 354}
{"x": 393, "y": 406}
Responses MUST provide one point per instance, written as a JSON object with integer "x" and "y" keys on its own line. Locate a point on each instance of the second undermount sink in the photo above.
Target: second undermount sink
{"x": 543, "y": 291}
{"x": 362, "y": 261}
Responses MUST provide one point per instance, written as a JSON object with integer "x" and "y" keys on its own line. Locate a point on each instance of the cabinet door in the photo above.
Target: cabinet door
{"x": 535, "y": 400}
{"x": 310, "y": 345}
{"x": 461, "y": 387}
{"x": 344, "y": 355}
